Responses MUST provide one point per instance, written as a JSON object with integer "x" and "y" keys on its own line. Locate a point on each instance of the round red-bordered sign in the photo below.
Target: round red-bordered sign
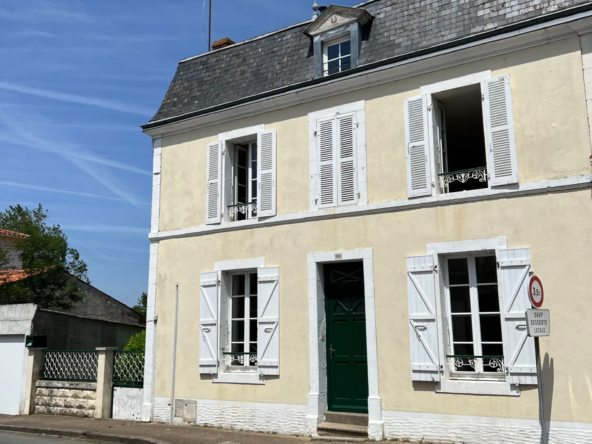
{"x": 535, "y": 292}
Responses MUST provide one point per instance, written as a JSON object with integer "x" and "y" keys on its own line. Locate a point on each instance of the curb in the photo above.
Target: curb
{"x": 98, "y": 436}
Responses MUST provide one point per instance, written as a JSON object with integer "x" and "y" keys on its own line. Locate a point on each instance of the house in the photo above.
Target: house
{"x": 7, "y": 240}
{"x": 97, "y": 321}
{"x": 346, "y": 214}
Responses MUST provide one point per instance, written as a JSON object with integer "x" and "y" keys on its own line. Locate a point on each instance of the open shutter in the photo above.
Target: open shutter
{"x": 213, "y": 192}
{"x": 519, "y": 355}
{"x": 423, "y": 328}
{"x": 266, "y": 173}
{"x": 419, "y": 175}
{"x": 498, "y": 124}
{"x": 326, "y": 141}
{"x": 268, "y": 318}
{"x": 208, "y": 323}
{"x": 348, "y": 189}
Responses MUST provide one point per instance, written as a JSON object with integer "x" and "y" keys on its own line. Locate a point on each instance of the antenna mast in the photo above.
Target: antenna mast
{"x": 210, "y": 29}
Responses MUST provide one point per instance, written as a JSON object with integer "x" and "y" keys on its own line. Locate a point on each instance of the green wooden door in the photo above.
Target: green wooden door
{"x": 347, "y": 362}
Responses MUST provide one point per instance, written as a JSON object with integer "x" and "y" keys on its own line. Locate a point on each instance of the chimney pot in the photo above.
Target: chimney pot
{"x": 222, "y": 43}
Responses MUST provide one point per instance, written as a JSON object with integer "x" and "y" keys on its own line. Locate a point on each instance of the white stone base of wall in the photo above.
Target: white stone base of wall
{"x": 127, "y": 403}
{"x": 285, "y": 419}
{"x": 480, "y": 430}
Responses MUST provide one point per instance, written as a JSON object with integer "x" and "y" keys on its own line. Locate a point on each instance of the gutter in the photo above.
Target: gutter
{"x": 576, "y": 13}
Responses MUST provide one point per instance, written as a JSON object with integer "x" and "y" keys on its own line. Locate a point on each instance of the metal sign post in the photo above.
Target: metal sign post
{"x": 538, "y": 322}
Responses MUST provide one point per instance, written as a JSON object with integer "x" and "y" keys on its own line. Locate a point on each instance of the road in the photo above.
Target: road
{"x": 23, "y": 438}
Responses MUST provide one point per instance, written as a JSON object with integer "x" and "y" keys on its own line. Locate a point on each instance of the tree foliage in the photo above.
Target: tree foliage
{"x": 48, "y": 262}
{"x": 137, "y": 342}
{"x": 141, "y": 305}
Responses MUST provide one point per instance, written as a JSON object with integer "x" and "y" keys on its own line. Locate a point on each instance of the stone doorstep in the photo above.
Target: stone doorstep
{"x": 360, "y": 419}
{"x": 342, "y": 430}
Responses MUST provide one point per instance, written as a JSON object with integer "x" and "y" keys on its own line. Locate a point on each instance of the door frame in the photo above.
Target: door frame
{"x": 317, "y": 396}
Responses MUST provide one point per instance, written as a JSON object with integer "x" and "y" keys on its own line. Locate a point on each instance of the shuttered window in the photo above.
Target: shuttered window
{"x": 419, "y": 180}
{"x": 336, "y": 150}
{"x": 213, "y": 183}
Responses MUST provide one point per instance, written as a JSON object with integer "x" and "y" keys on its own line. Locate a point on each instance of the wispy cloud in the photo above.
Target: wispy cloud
{"x": 59, "y": 191}
{"x": 72, "y": 98}
{"x": 27, "y": 34}
{"x": 132, "y": 38}
{"x": 45, "y": 15}
{"x": 107, "y": 229}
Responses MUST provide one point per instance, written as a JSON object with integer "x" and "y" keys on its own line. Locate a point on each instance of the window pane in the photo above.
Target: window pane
{"x": 253, "y": 307}
{"x": 238, "y": 284}
{"x": 253, "y": 330}
{"x": 360, "y": 306}
{"x": 460, "y": 300}
{"x": 253, "y": 283}
{"x": 463, "y": 364}
{"x": 486, "y": 270}
{"x": 488, "y": 298}
{"x": 242, "y": 158}
{"x": 491, "y": 328}
{"x": 253, "y": 348}
{"x": 238, "y": 331}
{"x": 458, "y": 271}
{"x": 492, "y": 365}
{"x": 254, "y": 190}
{"x": 237, "y": 348}
{"x": 493, "y": 349}
{"x": 345, "y": 63}
{"x": 462, "y": 328}
{"x": 254, "y": 152}
{"x": 242, "y": 176}
{"x": 333, "y": 67}
{"x": 242, "y": 194}
{"x": 254, "y": 170}
{"x": 238, "y": 308}
{"x": 345, "y": 48}
{"x": 333, "y": 52}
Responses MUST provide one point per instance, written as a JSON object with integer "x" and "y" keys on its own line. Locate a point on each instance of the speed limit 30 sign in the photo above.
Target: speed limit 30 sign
{"x": 535, "y": 292}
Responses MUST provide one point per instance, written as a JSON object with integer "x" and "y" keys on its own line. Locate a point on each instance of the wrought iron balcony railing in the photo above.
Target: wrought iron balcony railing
{"x": 242, "y": 208}
{"x": 463, "y": 176}
{"x": 238, "y": 358}
{"x": 477, "y": 364}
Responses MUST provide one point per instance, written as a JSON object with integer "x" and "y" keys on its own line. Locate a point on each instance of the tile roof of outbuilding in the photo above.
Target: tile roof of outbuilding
{"x": 8, "y": 233}
{"x": 284, "y": 58}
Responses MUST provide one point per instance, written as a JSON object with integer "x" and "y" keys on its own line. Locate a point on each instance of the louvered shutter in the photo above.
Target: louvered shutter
{"x": 266, "y": 173}
{"x": 423, "y": 328}
{"x": 268, "y": 318}
{"x": 519, "y": 355}
{"x": 326, "y": 141}
{"x": 419, "y": 175}
{"x": 347, "y": 183}
{"x": 498, "y": 123}
{"x": 208, "y": 323}
{"x": 213, "y": 194}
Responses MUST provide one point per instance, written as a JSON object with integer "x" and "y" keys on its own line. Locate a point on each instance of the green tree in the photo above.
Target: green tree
{"x": 141, "y": 305}
{"x": 137, "y": 342}
{"x": 47, "y": 260}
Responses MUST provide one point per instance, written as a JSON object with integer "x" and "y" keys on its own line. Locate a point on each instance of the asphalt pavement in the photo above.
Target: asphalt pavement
{"x": 22, "y": 438}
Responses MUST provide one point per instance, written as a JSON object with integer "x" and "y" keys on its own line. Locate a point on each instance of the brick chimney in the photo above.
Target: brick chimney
{"x": 222, "y": 43}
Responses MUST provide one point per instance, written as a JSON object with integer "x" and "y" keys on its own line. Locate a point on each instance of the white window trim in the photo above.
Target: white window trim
{"x": 238, "y": 377}
{"x": 359, "y": 108}
{"x": 241, "y": 132}
{"x": 447, "y": 385}
{"x": 345, "y": 37}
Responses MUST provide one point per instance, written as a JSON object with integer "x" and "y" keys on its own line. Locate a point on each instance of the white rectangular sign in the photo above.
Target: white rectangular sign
{"x": 538, "y": 322}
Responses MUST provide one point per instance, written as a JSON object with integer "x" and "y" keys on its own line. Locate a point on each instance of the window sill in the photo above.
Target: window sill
{"x": 494, "y": 388}
{"x": 239, "y": 378}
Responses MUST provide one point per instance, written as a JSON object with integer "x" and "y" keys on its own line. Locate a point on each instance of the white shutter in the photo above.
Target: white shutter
{"x": 519, "y": 352}
{"x": 266, "y": 173}
{"x": 208, "y": 323}
{"x": 213, "y": 194}
{"x": 268, "y": 317}
{"x": 346, "y": 171}
{"x": 423, "y": 329}
{"x": 326, "y": 142}
{"x": 498, "y": 124}
{"x": 419, "y": 175}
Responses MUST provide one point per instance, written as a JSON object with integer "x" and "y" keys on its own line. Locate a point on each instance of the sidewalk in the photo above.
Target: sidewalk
{"x": 130, "y": 432}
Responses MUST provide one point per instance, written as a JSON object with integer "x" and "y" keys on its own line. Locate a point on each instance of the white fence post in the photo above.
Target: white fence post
{"x": 104, "y": 383}
{"x": 34, "y": 369}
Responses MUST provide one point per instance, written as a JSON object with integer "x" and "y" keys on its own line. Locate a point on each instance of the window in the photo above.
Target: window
{"x": 475, "y": 346}
{"x": 337, "y": 56}
{"x": 243, "y": 323}
{"x": 244, "y": 198}
{"x": 460, "y": 138}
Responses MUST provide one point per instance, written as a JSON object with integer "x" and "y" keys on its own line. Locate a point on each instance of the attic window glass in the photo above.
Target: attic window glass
{"x": 337, "y": 56}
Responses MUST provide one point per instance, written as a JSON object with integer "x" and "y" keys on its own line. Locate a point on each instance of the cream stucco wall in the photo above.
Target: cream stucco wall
{"x": 551, "y": 127}
{"x": 552, "y": 140}
{"x": 561, "y": 261}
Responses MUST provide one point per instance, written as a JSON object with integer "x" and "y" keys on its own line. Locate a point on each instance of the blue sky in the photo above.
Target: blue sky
{"x": 77, "y": 79}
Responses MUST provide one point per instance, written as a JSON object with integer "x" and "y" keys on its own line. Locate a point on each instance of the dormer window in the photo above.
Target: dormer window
{"x": 337, "y": 39}
{"x": 337, "y": 56}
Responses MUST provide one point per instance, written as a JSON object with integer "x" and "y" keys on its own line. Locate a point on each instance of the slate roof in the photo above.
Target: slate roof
{"x": 285, "y": 58}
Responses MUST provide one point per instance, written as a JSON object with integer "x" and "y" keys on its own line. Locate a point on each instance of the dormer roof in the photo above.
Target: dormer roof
{"x": 335, "y": 17}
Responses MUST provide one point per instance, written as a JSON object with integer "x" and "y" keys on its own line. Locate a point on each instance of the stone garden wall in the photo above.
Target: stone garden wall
{"x": 66, "y": 398}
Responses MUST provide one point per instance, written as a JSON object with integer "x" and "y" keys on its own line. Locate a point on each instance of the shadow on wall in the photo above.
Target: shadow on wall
{"x": 548, "y": 373}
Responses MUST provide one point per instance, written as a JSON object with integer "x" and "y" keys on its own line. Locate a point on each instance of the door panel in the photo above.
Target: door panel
{"x": 347, "y": 365}
{"x": 12, "y": 351}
